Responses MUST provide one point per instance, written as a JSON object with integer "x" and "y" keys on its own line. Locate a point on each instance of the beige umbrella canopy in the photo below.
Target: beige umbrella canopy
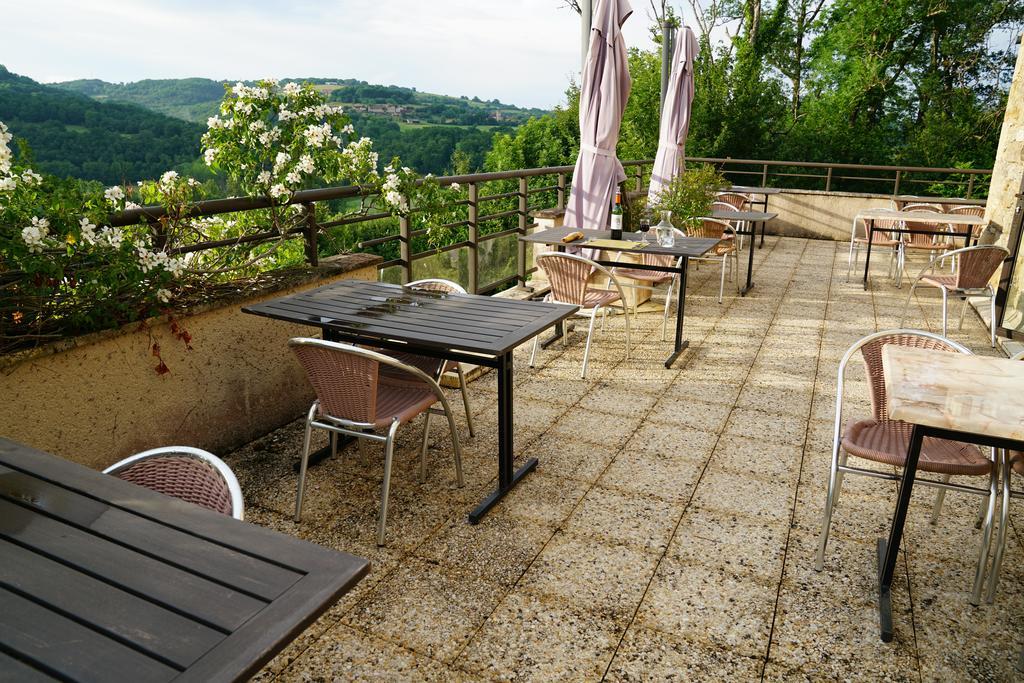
{"x": 675, "y": 115}
{"x": 603, "y": 98}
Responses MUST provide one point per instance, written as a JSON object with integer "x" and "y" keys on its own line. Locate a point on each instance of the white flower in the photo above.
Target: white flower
{"x": 286, "y": 115}
{"x": 132, "y": 205}
{"x": 112, "y": 236}
{"x": 280, "y": 161}
{"x": 265, "y": 138}
{"x": 88, "y": 231}
{"x": 291, "y": 89}
{"x": 293, "y": 178}
{"x": 7, "y": 184}
{"x": 35, "y": 235}
{"x": 240, "y": 90}
{"x": 163, "y": 295}
{"x": 176, "y": 266}
{"x": 192, "y": 182}
{"x": 243, "y": 107}
{"x": 272, "y": 82}
{"x": 455, "y": 186}
{"x": 113, "y": 194}
{"x": 348, "y": 129}
{"x": 167, "y": 180}
{"x": 306, "y": 164}
{"x": 263, "y": 178}
{"x": 278, "y": 191}
{"x": 215, "y": 122}
{"x": 210, "y": 155}
{"x": 317, "y": 135}
{"x": 30, "y": 177}
{"x": 257, "y": 126}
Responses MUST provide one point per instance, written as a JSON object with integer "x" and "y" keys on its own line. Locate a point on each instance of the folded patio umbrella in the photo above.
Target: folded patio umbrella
{"x": 675, "y": 115}
{"x": 603, "y": 98}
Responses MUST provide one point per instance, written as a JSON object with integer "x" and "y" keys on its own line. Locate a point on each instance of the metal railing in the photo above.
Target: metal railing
{"x": 506, "y": 213}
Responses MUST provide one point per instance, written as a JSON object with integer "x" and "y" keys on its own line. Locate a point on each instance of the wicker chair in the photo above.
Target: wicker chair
{"x": 1010, "y": 462}
{"x": 916, "y": 241}
{"x": 735, "y": 202}
{"x": 725, "y": 250}
{"x": 569, "y": 275}
{"x": 190, "y": 474}
{"x": 432, "y": 366}
{"x": 877, "y": 239}
{"x": 654, "y": 278}
{"x": 978, "y": 211}
{"x": 976, "y": 267}
{"x": 883, "y": 440}
{"x": 357, "y": 399}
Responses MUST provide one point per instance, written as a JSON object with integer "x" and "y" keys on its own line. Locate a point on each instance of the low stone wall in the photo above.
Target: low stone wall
{"x": 98, "y": 398}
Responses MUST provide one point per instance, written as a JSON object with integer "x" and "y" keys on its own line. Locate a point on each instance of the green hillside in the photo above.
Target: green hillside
{"x": 196, "y": 99}
{"x": 73, "y": 135}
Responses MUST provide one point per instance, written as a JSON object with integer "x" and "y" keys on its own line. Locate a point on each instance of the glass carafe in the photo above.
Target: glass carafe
{"x": 665, "y": 231}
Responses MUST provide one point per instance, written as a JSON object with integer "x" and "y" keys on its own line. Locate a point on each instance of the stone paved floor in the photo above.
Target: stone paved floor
{"x": 670, "y": 528}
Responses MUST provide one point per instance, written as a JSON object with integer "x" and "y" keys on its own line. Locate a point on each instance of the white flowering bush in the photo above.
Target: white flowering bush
{"x": 62, "y": 273}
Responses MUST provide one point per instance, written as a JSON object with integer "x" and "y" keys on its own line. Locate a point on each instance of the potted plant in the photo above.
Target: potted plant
{"x": 690, "y": 194}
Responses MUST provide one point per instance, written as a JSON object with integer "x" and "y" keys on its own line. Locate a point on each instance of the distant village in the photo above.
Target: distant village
{"x": 408, "y": 114}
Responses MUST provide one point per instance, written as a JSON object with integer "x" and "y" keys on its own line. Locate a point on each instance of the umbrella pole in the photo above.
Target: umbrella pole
{"x": 667, "y": 39}
{"x": 586, "y": 20}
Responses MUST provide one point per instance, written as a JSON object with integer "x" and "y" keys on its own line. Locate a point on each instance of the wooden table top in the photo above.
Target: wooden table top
{"x": 101, "y": 579}
{"x": 921, "y": 217}
{"x": 380, "y": 311}
{"x": 684, "y": 246}
{"x": 957, "y": 391}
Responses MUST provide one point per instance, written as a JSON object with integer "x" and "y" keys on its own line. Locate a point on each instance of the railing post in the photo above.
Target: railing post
{"x": 828, "y": 180}
{"x": 561, "y": 190}
{"x": 970, "y": 185}
{"x": 639, "y": 178}
{"x": 764, "y": 176}
{"x": 405, "y": 247}
{"x": 311, "y": 234}
{"x": 896, "y": 184}
{"x": 474, "y": 239}
{"x": 521, "y": 245}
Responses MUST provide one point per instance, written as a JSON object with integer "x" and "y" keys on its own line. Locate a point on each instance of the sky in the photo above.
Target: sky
{"x": 521, "y": 52}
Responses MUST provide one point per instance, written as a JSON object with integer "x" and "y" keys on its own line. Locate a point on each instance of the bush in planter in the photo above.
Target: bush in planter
{"x": 689, "y": 194}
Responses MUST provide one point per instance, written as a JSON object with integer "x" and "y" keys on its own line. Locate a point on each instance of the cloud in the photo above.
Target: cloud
{"x": 519, "y": 51}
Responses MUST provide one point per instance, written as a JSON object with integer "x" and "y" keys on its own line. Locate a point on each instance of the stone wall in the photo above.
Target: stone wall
{"x": 98, "y": 398}
{"x": 1007, "y": 174}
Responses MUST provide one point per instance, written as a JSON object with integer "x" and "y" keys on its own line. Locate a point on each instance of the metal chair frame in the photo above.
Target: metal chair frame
{"x": 895, "y": 258}
{"x": 454, "y": 287}
{"x": 839, "y": 466}
{"x": 987, "y": 290}
{"x": 237, "y": 501}
{"x": 731, "y": 256}
{"x": 367, "y": 431}
{"x": 673, "y": 283}
{"x": 1006, "y": 469}
{"x": 591, "y": 313}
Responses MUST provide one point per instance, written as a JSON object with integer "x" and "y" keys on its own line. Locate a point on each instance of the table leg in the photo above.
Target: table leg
{"x": 559, "y": 333}
{"x": 889, "y": 551}
{"x": 750, "y": 262}
{"x": 508, "y": 476}
{"x": 680, "y": 344}
{"x": 764, "y": 207}
{"x": 867, "y": 253}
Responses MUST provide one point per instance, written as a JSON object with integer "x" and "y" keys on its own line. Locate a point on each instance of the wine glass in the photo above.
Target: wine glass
{"x": 645, "y": 223}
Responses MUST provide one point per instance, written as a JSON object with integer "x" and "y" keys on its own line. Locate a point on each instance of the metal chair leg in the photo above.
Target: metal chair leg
{"x": 668, "y": 302}
{"x": 854, "y": 252}
{"x": 363, "y": 457}
{"x": 456, "y": 446}
{"x": 963, "y": 312}
{"x": 423, "y": 447}
{"x": 533, "y": 354}
{"x": 906, "y": 304}
{"x": 1004, "y": 520}
{"x": 945, "y": 311}
{"x": 940, "y": 495}
{"x": 465, "y": 395}
{"x": 986, "y": 536}
{"x": 590, "y": 336}
{"x": 721, "y": 285}
{"x": 627, "y": 333}
{"x": 992, "y": 316}
{"x": 830, "y": 501}
{"x": 334, "y": 444}
{"x": 385, "y": 489}
{"x": 304, "y": 463}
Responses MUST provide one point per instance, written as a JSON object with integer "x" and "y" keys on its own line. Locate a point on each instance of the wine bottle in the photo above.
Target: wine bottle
{"x": 617, "y": 217}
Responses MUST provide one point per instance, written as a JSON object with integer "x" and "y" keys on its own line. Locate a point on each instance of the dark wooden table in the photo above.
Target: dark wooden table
{"x": 475, "y": 329}
{"x": 750, "y": 220}
{"x": 683, "y": 250}
{"x": 103, "y": 580}
{"x": 764, "y": 192}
